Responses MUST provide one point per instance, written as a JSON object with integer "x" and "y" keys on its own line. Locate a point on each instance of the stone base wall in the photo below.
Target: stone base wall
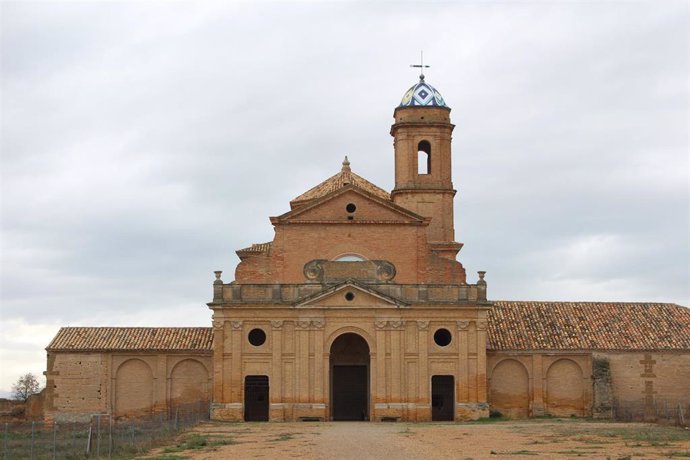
{"x": 295, "y": 412}
{"x": 471, "y": 411}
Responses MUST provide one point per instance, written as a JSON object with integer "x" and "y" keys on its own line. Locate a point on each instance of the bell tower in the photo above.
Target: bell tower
{"x": 423, "y": 184}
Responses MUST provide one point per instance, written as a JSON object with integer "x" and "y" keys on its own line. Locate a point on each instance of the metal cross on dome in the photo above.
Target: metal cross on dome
{"x": 421, "y": 65}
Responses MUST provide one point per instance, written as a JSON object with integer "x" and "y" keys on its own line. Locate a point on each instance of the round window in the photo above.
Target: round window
{"x": 442, "y": 337}
{"x": 257, "y": 337}
{"x": 350, "y": 296}
{"x": 350, "y": 208}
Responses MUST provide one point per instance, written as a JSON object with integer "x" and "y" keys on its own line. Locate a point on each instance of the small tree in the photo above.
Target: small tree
{"x": 25, "y": 386}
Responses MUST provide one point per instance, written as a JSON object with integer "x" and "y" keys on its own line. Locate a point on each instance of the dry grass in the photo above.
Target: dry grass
{"x": 545, "y": 438}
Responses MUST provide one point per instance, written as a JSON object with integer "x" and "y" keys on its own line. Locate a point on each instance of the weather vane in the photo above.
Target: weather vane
{"x": 421, "y": 66}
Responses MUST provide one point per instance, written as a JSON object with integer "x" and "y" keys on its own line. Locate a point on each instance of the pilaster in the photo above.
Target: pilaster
{"x": 463, "y": 364}
{"x": 423, "y": 404}
{"x": 537, "y": 381}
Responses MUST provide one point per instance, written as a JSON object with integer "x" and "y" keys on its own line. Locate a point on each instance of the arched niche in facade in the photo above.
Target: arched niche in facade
{"x": 509, "y": 389}
{"x": 189, "y": 383}
{"x": 133, "y": 388}
{"x": 564, "y": 389}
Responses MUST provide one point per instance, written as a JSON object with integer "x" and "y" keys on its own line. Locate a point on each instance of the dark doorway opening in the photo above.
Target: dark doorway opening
{"x": 442, "y": 398}
{"x": 256, "y": 398}
{"x": 349, "y": 392}
{"x": 349, "y": 360}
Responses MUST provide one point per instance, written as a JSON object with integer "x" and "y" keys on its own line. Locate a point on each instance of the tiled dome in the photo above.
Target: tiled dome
{"x": 422, "y": 94}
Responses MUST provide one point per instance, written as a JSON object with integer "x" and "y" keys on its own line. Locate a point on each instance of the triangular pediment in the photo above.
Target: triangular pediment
{"x": 350, "y": 295}
{"x": 351, "y": 204}
{"x": 342, "y": 179}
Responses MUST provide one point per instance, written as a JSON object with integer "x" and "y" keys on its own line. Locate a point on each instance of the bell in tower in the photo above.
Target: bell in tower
{"x": 422, "y": 137}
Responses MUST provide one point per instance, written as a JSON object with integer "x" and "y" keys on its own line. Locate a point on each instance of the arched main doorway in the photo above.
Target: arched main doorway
{"x": 349, "y": 364}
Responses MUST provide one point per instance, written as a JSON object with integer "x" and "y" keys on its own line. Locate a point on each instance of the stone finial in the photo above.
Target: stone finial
{"x": 218, "y": 287}
{"x": 345, "y": 171}
{"x": 481, "y": 286}
{"x": 346, "y": 165}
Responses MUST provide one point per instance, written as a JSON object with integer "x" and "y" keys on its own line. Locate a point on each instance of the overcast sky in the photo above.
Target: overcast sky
{"x": 144, "y": 142}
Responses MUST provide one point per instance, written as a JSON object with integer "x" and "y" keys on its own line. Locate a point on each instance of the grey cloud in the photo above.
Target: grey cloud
{"x": 143, "y": 143}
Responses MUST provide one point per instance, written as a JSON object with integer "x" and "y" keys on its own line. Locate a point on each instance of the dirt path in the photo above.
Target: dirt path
{"x": 433, "y": 441}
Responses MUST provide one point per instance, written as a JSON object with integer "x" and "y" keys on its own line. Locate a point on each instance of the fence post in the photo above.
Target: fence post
{"x": 666, "y": 409}
{"x": 681, "y": 419}
{"x": 98, "y": 436}
{"x": 4, "y": 449}
{"x": 88, "y": 441}
{"x": 54, "y": 438}
{"x": 31, "y": 449}
{"x": 110, "y": 436}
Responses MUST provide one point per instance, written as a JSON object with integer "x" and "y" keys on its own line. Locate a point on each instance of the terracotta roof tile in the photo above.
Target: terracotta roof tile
{"x": 257, "y": 248}
{"x": 132, "y": 338}
{"x": 588, "y": 326}
{"x": 512, "y": 326}
{"x": 343, "y": 178}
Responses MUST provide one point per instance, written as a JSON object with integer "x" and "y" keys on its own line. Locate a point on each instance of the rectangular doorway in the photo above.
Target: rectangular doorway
{"x": 350, "y": 392}
{"x": 256, "y": 398}
{"x": 442, "y": 398}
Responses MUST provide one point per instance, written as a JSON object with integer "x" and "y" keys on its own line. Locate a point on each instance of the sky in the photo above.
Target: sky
{"x": 144, "y": 142}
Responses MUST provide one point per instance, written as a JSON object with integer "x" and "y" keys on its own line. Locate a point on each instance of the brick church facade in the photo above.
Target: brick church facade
{"x": 359, "y": 310}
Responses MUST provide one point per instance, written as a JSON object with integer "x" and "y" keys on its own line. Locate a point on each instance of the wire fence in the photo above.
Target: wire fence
{"x": 660, "y": 411}
{"x": 103, "y": 436}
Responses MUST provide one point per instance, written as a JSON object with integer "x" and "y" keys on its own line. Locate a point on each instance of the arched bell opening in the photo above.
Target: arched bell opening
{"x": 424, "y": 157}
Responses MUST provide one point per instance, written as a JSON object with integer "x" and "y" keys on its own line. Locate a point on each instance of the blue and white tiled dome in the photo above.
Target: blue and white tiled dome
{"x": 422, "y": 94}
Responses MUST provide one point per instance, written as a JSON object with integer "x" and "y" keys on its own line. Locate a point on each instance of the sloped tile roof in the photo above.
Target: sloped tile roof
{"x": 513, "y": 325}
{"x": 588, "y": 326}
{"x": 343, "y": 178}
{"x": 257, "y": 248}
{"x": 132, "y": 339}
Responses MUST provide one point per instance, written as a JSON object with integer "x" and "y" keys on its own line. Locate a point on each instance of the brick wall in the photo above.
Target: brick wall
{"x": 126, "y": 384}
{"x": 523, "y": 384}
{"x": 644, "y": 382}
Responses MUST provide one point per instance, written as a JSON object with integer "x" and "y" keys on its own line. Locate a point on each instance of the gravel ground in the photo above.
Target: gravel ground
{"x": 552, "y": 438}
